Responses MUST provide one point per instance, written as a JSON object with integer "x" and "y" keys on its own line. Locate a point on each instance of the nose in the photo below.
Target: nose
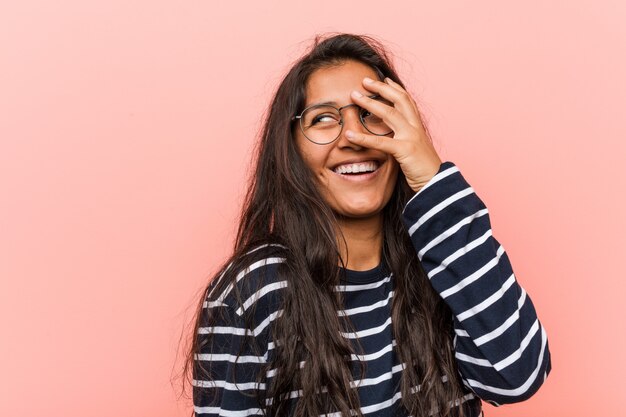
{"x": 351, "y": 121}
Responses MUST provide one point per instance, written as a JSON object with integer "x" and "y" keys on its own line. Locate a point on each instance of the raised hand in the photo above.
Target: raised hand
{"x": 409, "y": 143}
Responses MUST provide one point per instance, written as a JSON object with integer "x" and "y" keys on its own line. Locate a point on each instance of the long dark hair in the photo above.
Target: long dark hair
{"x": 283, "y": 206}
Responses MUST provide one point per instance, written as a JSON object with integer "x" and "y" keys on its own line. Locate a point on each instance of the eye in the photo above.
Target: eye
{"x": 370, "y": 117}
{"x": 320, "y": 117}
{"x": 324, "y": 118}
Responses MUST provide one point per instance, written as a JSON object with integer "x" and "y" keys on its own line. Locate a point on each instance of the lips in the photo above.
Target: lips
{"x": 358, "y": 172}
{"x": 357, "y": 166}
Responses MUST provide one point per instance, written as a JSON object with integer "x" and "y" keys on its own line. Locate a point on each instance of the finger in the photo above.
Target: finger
{"x": 398, "y": 87}
{"x": 382, "y": 143}
{"x": 391, "y": 94}
{"x": 390, "y": 115}
{"x": 398, "y": 96}
{"x": 420, "y": 118}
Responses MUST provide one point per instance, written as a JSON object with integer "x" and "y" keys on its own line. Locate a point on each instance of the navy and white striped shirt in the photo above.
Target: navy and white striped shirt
{"x": 500, "y": 346}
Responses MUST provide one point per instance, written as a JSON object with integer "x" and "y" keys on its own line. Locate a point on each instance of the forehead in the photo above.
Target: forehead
{"x": 334, "y": 84}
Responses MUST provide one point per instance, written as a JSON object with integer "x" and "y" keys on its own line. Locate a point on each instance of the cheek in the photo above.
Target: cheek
{"x": 313, "y": 158}
{"x": 393, "y": 179}
{"x": 393, "y": 171}
{"x": 309, "y": 160}
{"x": 305, "y": 151}
{"x": 315, "y": 162}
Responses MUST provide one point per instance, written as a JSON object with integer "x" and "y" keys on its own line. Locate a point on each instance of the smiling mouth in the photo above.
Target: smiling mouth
{"x": 356, "y": 169}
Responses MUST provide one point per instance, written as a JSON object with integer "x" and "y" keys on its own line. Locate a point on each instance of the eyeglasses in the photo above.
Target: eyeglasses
{"x": 322, "y": 123}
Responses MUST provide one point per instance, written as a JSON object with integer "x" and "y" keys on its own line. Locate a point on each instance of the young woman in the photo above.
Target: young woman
{"x": 365, "y": 279}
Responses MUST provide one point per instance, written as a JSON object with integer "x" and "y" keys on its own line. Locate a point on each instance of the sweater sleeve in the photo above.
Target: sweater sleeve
{"x": 500, "y": 346}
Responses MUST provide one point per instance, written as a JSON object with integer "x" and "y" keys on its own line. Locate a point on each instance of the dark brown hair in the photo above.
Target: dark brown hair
{"x": 283, "y": 206}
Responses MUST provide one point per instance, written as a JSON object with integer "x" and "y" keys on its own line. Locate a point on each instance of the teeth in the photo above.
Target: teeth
{"x": 357, "y": 168}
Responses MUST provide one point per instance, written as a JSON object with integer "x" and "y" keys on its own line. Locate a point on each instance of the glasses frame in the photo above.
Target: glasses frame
{"x": 339, "y": 109}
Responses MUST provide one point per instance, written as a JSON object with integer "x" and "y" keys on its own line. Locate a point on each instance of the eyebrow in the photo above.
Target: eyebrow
{"x": 333, "y": 103}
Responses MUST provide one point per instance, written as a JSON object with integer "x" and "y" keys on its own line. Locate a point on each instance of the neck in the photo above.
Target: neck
{"x": 364, "y": 239}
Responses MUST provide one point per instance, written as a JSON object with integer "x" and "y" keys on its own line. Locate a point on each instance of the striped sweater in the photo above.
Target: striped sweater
{"x": 500, "y": 346}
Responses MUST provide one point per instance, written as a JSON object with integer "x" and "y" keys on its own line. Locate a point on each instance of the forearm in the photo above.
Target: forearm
{"x": 500, "y": 345}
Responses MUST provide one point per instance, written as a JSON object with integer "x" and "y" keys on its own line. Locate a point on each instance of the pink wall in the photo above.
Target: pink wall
{"x": 125, "y": 132}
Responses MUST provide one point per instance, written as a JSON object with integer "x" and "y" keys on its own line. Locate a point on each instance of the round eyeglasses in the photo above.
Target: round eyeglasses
{"x": 322, "y": 123}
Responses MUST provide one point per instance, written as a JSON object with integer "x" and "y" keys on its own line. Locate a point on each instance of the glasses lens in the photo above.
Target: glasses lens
{"x": 321, "y": 124}
{"x": 374, "y": 123}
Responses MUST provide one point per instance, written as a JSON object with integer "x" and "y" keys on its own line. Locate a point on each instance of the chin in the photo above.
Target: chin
{"x": 360, "y": 212}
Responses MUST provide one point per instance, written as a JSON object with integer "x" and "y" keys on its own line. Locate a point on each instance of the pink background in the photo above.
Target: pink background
{"x": 126, "y": 129}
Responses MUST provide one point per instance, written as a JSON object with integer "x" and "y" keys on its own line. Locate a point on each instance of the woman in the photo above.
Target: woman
{"x": 365, "y": 278}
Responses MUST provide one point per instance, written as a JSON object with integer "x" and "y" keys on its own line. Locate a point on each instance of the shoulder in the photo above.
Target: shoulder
{"x": 249, "y": 280}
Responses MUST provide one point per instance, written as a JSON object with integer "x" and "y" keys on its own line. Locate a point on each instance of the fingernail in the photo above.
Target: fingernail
{"x": 367, "y": 80}
{"x": 349, "y": 133}
{"x": 356, "y": 94}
